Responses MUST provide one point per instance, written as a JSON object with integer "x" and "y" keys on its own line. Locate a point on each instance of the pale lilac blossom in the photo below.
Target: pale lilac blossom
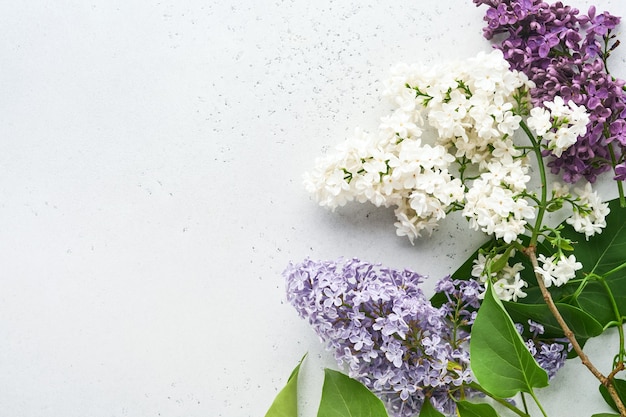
{"x": 373, "y": 318}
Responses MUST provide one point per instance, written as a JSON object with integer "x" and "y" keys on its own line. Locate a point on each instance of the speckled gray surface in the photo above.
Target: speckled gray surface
{"x": 151, "y": 156}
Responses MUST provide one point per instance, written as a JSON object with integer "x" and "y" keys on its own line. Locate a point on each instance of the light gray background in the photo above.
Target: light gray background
{"x": 151, "y": 156}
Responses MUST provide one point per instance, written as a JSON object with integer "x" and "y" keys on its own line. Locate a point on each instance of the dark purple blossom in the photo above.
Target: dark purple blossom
{"x": 565, "y": 53}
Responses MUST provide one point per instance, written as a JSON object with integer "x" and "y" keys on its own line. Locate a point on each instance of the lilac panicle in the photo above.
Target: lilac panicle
{"x": 564, "y": 53}
{"x": 380, "y": 326}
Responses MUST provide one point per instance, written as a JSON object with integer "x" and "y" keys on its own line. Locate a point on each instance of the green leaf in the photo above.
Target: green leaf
{"x": 502, "y": 261}
{"x": 429, "y": 411}
{"x": 599, "y": 255}
{"x": 343, "y": 396}
{"x": 286, "y": 402}
{"x": 595, "y": 301}
{"x": 582, "y": 324}
{"x": 605, "y": 415}
{"x": 468, "y": 409}
{"x": 498, "y": 356}
{"x": 620, "y": 387}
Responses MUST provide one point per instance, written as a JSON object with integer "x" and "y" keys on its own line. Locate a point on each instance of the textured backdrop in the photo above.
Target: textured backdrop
{"x": 151, "y": 156}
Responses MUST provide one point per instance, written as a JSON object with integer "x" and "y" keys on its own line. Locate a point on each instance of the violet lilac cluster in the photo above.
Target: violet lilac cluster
{"x": 565, "y": 54}
{"x": 381, "y": 326}
{"x": 550, "y": 354}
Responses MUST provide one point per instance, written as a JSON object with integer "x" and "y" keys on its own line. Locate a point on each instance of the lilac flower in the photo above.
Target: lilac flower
{"x": 550, "y": 354}
{"x": 535, "y": 328}
{"x": 381, "y": 326}
{"x": 551, "y": 357}
{"x": 564, "y": 53}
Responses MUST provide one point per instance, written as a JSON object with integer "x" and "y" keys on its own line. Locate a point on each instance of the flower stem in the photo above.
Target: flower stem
{"x": 541, "y": 209}
{"x": 500, "y": 401}
{"x": 604, "y": 380}
{"x": 619, "y": 362}
{"x": 616, "y": 269}
{"x": 532, "y": 394}
{"x": 524, "y": 402}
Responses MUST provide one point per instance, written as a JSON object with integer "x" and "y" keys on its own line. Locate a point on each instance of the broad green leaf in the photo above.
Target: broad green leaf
{"x": 582, "y": 324}
{"x": 620, "y": 387}
{"x": 599, "y": 255}
{"x": 429, "y": 411}
{"x": 498, "y": 356}
{"x": 343, "y": 396}
{"x": 286, "y": 402}
{"x": 468, "y": 409}
{"x": 605, "y": 415}
{"x": 595, "y": 300}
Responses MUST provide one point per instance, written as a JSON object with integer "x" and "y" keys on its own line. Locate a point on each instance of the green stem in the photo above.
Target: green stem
{"x": 606, "y": 52}
{"x": 532, "y": 394}
{"x": 544, "y": 189}
{"x": 500, "y": 401}
{"x": 616, "y": 269}
{"x": 618, "y": 317}
{"x": 583, "y": 283}
{"x": 620, "y": 187}
{"x": 524, "y": 402}
{"x": 620, "y": 330}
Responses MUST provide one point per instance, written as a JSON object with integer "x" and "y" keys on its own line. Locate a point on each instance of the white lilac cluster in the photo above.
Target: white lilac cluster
{"x": 495, "y": 202}
{"x": 469, "y": 106}
{"x": 589, "y": 212}
{"x": 381, "y": 326}
{"x": 470, "y": 103}
{"x": 507, "y": 282}
{"x": 560, "y": 124}
{"x": 557, "y": 272}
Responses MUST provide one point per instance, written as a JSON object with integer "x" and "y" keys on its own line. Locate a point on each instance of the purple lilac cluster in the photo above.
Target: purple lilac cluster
{"x": 564, "y": 53}
{"x": 381, "y": 326}
{"x": 463, "y": 301}
{"x": 549, "y": 354}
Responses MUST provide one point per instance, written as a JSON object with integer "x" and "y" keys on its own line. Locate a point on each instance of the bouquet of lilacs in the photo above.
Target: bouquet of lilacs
{"x": 505, "y": 138}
